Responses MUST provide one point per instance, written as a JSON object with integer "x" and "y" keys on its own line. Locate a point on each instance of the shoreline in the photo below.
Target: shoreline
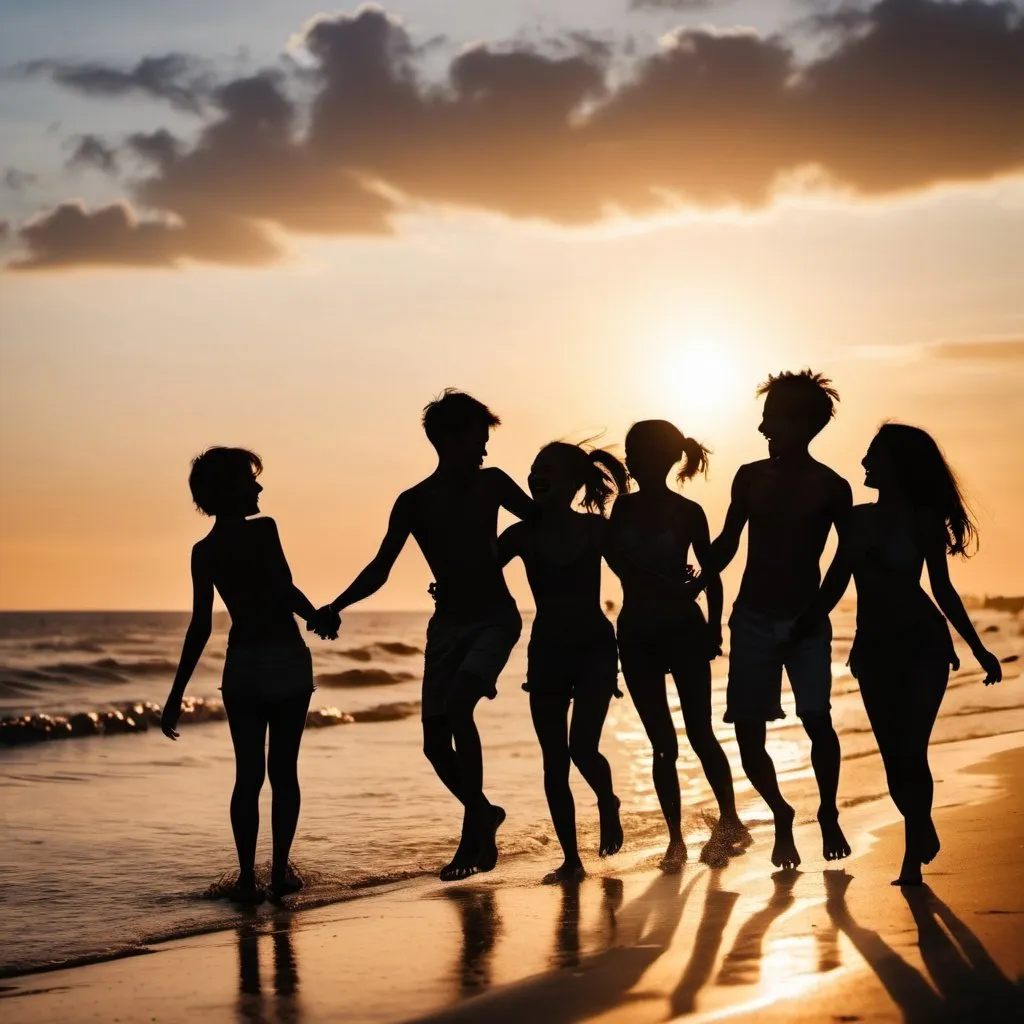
{"x": 397, "y": 945}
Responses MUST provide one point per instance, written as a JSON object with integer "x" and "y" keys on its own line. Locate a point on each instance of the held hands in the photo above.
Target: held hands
{"x": 714, "y": 642}
{"x": 325, "y": 622}
{"x": 990, "y": 666}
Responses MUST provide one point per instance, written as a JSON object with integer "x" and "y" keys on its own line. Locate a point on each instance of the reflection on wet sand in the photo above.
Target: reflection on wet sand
{"x": 252, "y": 1006}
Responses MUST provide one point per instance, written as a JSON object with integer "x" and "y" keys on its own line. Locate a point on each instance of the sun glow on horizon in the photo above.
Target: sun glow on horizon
{"x": 701, "y": 368}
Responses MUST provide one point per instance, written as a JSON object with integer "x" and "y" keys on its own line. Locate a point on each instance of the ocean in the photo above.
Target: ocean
{"x": 114, "y": 837}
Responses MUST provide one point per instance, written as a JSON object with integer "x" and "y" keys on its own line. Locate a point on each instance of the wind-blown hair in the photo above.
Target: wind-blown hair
{"x": 927, "y": 482}
{"x": 215, "y": 472}
{"x": 812, "y": 394}
{"x": 599, "y": 474}
{"x": 452, "y": 412}
{"x": 663, "y": 441}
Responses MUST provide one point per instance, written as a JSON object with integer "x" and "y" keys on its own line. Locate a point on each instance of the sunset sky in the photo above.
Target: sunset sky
{"x": 245, "y": 222}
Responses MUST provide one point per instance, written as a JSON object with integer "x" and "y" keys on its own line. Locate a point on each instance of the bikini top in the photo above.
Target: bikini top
{"x": 573, "y": 583}
{"x": 887, "y": 548}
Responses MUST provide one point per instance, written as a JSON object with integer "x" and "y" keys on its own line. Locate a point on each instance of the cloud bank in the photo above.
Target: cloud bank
{"x": 924, "y": 92}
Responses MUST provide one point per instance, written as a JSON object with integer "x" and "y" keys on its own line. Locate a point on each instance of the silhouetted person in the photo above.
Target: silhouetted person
{"x": 661, "y": 629}
{"x": 903, "y": 651}
{"x": 572, "y": 655}
{"x": 453, "y": 517}
{"x": 268, "y": 673}
{"x": 791, "y": 502}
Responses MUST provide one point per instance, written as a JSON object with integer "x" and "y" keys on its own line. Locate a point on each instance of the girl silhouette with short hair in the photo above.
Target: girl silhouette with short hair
{"x": 662, "y": 630}
{"x": 268, "y": 673}
{"x": 902, "y": 651}
{"x": 572, "y": 657}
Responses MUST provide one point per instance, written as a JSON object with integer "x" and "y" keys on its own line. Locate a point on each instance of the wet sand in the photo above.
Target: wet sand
{"x": 632, "y": 944}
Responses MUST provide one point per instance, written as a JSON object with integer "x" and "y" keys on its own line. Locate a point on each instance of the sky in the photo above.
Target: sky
{"x": 256, "y": 224}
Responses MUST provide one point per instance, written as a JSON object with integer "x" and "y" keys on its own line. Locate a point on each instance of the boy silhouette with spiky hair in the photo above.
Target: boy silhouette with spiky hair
{"x": 790, "y": 502}
{"x": 453, "y": 516}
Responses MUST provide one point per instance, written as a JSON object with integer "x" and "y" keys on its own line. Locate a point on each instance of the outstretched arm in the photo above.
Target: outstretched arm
{"x": 948, "y": 600}
{"x": 512, "y": 497}
{"x": 710, "y": 578}
{"x": 376, "y": 573}
{"x": 196, "y": 635}
{"x": 727, "y": 543}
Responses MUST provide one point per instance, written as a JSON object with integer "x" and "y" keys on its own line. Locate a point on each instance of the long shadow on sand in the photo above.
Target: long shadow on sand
{"x": 642, "y": 931}
{"x": 969, "y": 985}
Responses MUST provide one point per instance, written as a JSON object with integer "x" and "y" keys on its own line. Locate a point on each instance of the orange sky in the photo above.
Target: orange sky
{"x": 114, "y": 377}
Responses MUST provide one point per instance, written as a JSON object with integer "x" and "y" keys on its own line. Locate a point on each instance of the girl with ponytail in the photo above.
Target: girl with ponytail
{"x": 662, "y": 630}
{"x": 572, "y": 656}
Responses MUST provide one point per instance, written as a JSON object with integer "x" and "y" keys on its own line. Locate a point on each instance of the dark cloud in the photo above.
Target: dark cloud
{"x": 92, "y": 151}
{"x": 926, "y": 92}
{"x": 72, "y": 236}
{"x": 18, "y": 180}
{"x": 172, "y": 77}
{"x": 983, "y": 350}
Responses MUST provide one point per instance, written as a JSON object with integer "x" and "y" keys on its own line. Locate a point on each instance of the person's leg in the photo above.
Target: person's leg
{"x": 809, "y": 665}
{"x": 645, "y": 680}
{"x": 247, "y": 722}
{"x": 590, "y": 708}
{"x": 439, "y": 751}
{"x": 751, "y": 737}
{"x": 477, "y": 848}
{"x": 692, "y": 676}
{"x": 287, "y": 719}
{"x": 925, "y": 682}
{"x": 548, "y": 711}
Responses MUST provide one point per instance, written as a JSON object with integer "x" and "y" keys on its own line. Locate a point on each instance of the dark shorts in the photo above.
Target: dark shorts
{"x": 559, "y": 663}
{"x": 266, "y": 675}
{"x": 477, "y": 647}
{"x": 658, "y": 648}
{"x": 759, "y": 650}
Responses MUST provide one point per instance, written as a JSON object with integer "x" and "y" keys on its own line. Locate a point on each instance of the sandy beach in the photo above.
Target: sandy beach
{"x": 631, "y": 944}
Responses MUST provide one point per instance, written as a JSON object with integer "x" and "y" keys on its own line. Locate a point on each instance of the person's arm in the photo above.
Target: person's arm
{"x": 837, "y": 577}
{"x": 709, "y": 577}
{"x": 510, "y": 544}
{"x": 512, "y": 497}
{"x": 933, "y": 536}
{"x": 196, "y": 636}
{"x": 376, "y": 573}
{"x": 726, "y": 544}
{"x": 282, "y": 573}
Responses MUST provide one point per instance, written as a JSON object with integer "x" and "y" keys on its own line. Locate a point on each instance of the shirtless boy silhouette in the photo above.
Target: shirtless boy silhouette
{"x": 791, "y": 502}
{"x": 453, "y": 517}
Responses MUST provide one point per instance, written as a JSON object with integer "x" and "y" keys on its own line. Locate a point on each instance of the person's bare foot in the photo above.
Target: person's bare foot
{"x": 284, "y": 884}
{"x": 488, "y": 856}
{"x": 930, "y": 845}
{"x": 459, "y": 867}
{"x": 833, "y": 843}
{"x": 570, "y": 871}
{"x": 910, "y": 872}
{"x": 729, "y": 838}
{"x": 784, "y": 854}
{"x": 245, "y": 892}
{"x": 611, "y": 828}
{"x": 675, "y": 856}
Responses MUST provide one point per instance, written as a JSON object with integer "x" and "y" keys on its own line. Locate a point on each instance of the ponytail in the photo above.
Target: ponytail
{"x": 607, "y": 478}
{"x": 696, "y": 459}
{"x": 598, "y": 473}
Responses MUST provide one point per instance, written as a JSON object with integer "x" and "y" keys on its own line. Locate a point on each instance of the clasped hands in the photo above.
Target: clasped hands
{"x": 325, "y": 622}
